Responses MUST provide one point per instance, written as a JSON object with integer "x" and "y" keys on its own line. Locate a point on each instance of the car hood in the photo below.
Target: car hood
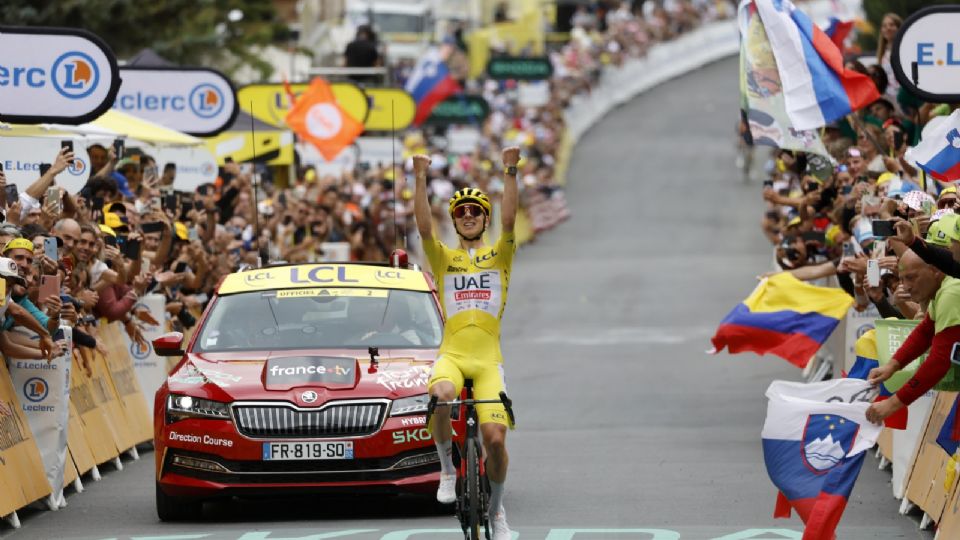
{"x": 287, "y": 375}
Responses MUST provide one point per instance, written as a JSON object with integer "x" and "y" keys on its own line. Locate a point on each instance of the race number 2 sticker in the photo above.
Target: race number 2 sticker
{"x": 481, "y": 291}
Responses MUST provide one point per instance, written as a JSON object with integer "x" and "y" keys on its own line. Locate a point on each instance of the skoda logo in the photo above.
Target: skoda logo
{"x": 309, "y": 396}
{"x": 75, "y": 75}
{"x": 206, "y": 100}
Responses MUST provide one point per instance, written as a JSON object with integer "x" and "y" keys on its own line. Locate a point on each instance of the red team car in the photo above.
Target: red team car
{"x": 308, "y": 378}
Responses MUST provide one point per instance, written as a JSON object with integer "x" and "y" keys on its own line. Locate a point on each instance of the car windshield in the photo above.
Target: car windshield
{"x": 335, "y": 318}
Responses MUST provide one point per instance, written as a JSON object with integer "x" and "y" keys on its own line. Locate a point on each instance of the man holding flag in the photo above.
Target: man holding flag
{"x": 939, "y": 331}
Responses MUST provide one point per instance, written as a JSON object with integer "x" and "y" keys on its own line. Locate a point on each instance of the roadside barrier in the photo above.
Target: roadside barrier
{"x": 63, "y": 419}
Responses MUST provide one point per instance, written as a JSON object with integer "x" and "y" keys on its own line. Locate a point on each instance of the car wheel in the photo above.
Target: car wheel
{"x": 171, "y": 508}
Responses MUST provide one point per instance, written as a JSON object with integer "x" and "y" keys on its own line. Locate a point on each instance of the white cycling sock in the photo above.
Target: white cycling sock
{"x": 496, "y": 498}
{"x": 445, "y": 450}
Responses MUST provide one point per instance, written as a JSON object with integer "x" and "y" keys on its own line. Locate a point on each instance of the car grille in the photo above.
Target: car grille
{"x": 343, "y": 419}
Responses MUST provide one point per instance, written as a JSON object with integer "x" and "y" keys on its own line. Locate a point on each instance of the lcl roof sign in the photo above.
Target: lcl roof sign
{"x": 55, "y": 75}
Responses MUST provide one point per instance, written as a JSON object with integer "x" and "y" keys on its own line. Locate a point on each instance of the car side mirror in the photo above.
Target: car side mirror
{"x": 169, "y": 344}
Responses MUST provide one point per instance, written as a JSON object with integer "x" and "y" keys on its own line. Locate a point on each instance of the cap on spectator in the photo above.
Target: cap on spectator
{"x": 181, "y": 231}
{"x": 948, "y": 191}
{"x": 108, "y": 230}
{"x": 915, "y": 199}
{"x": 9, "y": 269}
{"x": 936, "y": 234}
{"x": 18, "y": 243}
{"x": 115, "y": 221}
{"x": 310, "y": 176}
{"x": 886, "y": 177}
{"x": 794, "y": 222}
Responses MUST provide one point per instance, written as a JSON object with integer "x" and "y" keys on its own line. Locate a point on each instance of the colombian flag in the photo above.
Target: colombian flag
{"x": 867, "y": 359}
{"x": 785, "y": 317}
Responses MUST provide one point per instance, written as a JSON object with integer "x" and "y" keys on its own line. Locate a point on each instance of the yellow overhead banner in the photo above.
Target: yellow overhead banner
{"x": 271, "y": 104}
{"x": 239, "y": 146}
{"x": 324, "y": 275}
{"x": 390, "y": 108}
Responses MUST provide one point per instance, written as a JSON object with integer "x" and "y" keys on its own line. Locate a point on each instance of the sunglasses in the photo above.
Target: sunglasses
{"x": 946, "y": 203}
{"x": 463, "y": 210}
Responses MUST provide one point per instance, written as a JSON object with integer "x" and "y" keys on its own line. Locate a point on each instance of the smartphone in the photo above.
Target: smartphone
{"x": 873, "y": 272}
{"x": 846, "y": 190}
{"x": 152, "y": 227}
{"x": 848, "y": 250}
{"x": 12, "y": 194}
{"x": 68, "y": 264}
{"x": 955, "y": 354}
{"x": 110, "y": 240}
{"x": 767, "y": 184}
{"x": 69, "y": 146}
{"x": 49, "y": 286}
{"x": 44, "y": 167}
{"x": 53, "y": 194}
{"x": 121, "y": 242}
{"x": 883, "y": 228}
{"x": 50, "y": 248}
{"x": 145, "y": 265}
{"x": 180, "y": 268}
{"x": 198, "y": 205}
{"x": 814, "y": 236}
{"x": 118, "y": 148}
{"x": 131, "y": 249}
{"x": 193, "y": 234}
{"x": 169, "y": 202}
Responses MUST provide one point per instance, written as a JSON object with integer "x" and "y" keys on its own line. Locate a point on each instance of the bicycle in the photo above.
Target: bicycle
{"x": 473, "y": 489}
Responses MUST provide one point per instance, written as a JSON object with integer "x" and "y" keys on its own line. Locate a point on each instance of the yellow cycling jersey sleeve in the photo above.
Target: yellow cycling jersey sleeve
{"x": 472, "y": 286}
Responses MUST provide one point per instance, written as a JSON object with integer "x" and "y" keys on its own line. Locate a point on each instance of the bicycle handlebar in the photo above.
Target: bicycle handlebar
{"x": 507, "y": 404}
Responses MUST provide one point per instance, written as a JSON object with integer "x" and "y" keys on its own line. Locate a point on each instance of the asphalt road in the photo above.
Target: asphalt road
{"x": 624, "y": 421}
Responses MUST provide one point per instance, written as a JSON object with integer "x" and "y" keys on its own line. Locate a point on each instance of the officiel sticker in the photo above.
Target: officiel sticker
{"x": 481, "y": 290}
{"x": 411, "y": 377}
{"x": 303, "y": 293}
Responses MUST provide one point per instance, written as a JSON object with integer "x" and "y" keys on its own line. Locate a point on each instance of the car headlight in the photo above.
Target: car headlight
{"x": 180, "y": 407}
{"x": 410, "y": 405}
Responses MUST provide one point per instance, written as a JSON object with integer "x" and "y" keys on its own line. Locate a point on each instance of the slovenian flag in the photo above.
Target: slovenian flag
{"x": 430, "y": 83}
{"x": 938, "y": 154}
{"x": 815, "y": 438}
{"x": 783, "y": 316}
{"x": 817, "y": 88}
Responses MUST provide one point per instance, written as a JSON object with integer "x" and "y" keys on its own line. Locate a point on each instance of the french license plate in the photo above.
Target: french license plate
{"x": 281, "y": 451}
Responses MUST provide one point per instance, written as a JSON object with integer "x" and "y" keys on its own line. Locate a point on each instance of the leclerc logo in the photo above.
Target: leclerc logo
{"x": 75, "y": 75}
{"x": 36, "y": 389}
{"x": 78, "y": 168}
{"x": 206, "y": 100}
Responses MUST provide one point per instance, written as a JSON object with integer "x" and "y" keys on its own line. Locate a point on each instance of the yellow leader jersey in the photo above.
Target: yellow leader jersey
{"x": 472, "y": 287}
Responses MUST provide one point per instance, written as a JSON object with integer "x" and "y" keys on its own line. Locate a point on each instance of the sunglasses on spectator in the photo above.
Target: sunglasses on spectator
{"x": 946, "y": 202}
{"x": 463, "y": 210}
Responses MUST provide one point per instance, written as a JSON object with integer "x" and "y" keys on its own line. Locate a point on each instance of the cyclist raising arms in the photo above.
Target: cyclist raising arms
{"x": 472, "y": 285}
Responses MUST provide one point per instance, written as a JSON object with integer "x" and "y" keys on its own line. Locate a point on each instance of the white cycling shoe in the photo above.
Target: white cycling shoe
{"x": 501, "y": 531}
{"x": 447, "y": 492}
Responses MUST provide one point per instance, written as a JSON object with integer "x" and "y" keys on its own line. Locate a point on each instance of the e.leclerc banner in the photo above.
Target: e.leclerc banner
{"x": 198, "y": 101}
{"x": 55, "y": 75}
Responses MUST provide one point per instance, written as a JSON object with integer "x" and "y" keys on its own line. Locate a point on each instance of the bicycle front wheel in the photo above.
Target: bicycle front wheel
{"x": 472, "y": 495}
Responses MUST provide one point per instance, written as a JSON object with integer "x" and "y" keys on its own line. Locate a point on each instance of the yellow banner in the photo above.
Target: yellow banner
{"x": 390, "y": 108}
{"x": 324, "y": 275}
{"x": 269, "y": 102}
{"x": 239, "y": 146}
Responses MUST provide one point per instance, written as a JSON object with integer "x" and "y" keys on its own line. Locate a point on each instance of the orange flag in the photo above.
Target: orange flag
{"x": 318, "y": 118}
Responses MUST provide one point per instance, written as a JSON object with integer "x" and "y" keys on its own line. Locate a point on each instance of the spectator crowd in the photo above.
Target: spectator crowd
{"x": 77, "y": 258}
